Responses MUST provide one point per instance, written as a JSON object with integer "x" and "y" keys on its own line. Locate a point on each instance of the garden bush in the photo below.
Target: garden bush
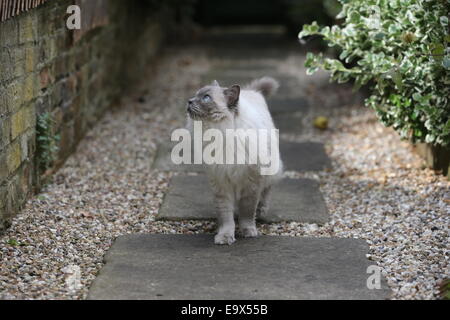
{"x": 400, "y": 50}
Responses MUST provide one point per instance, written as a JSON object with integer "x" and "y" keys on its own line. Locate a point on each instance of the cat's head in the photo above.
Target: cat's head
{"x": 214, "y": 103}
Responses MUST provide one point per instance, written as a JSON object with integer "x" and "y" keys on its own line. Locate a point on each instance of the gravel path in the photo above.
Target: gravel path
{"x": 378, "y": 190}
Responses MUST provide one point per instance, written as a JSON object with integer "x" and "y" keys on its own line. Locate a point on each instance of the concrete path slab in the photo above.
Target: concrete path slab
{"x": 190, "y": 198}
{"x": 288, "y": 106}
{"x": 191, "y": 267}
{"x": 307, "y": 156}
{"x": 289, "y": 123}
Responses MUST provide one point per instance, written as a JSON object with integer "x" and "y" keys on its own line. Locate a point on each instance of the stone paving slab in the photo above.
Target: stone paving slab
{"x": 289, "y": 123}
{"x": 288, "y": 106}
{"x": 307, "y": 156}
{"x": 190, "y": 198}
{"x": 191, "y": 267}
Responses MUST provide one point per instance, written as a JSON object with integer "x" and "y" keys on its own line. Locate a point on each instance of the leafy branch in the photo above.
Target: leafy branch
{"x": 400, "y": 49}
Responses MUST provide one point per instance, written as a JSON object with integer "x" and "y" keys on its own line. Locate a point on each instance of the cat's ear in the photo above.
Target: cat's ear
{"x": 215, "y": 83}
{"x": 232, "y": 95}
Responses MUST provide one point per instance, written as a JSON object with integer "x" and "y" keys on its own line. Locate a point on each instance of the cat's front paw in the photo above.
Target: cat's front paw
{"x": 250, "y": 232}
{"x": 224, "y": 238}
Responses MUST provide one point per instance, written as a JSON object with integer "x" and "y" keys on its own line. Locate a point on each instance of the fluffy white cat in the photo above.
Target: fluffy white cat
{"x": 238, "y": 187}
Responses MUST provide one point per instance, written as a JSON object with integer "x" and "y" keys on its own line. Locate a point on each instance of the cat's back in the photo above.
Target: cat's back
{"x": 253, "y": 111}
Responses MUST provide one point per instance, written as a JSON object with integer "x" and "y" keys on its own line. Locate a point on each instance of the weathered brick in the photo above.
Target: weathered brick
{"x": 24, "y": 181}
{"x": 3, "y": 196}
{"x": 18, "y": 123}
{"x": 31, "y": 58}
{"x": 57, "y": 116}
{"x": 30, "y": 88}
{"x": 68, "y": 111}
{"x": 19, "y": 63}
{"x": 45, "y": 22}
{"x": 3, "y": 103}
{"x": 3, "y": 166}
{"x": 93, "y": 68}
{"x": 7, "y": 63}
{"x": 28, "y": 28}
{"x": 46, "y": 77}
{"x": 43, "y": 104}
{"x": 81, "y": 57}
{"x": 10, "y": 99}
{"x": 13, "y": 202}
{"x": 32, "y": 143}
{"x": 60, "y": 94}
{"x": 60, "y": 66}
{"x": 5, "y": 219}
{"x": 94, "y": 88}
{"x": 13, "y": 64}
{"x": 5, "y": 129}
{"x": 24, "y": 147}
{"x": 64, "y": 40}
{"x": 66, "y": 143}
{"x": 48, "y": 50}
{"x": 9, "y": 33}
{"x": 82, "y": 78}
{"x": 72, "y": 84}
{"x": 13, "y": 157}
{"x": 22, "y": 120}
{"x": 31, "y": 116}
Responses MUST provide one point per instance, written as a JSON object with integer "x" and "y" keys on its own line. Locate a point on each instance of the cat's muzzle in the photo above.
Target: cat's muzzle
{"x": 193, "y": 110}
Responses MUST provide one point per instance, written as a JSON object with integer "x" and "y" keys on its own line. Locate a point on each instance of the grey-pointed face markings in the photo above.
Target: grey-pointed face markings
{"x": 214, "y": 103}
{"x": 202, "y": 104}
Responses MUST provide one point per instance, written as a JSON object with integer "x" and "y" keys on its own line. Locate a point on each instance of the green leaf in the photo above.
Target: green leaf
{"x": 344, "y": 54}
{"x": 393, "y": 28}
{"x": 438, "y": 50}
{"x": 354, "y": 17}
{"x": 446, "y": 62}
{"x": 398, "y": 80}
{"x": 379, "y": 36}
{"x": 447, "y": 126}
{"x": 13, "y": 242}
{"x": 417, "y": 96}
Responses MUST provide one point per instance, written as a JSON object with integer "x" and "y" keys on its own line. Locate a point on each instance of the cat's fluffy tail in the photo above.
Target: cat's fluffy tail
{"x": 267, "y": 86}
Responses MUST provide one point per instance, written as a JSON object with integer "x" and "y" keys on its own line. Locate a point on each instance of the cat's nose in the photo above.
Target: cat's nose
{"x": 190, "y": 104}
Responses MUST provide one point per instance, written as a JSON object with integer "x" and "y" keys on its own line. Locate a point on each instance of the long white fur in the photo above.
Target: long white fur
{"x": 232, "y": 183}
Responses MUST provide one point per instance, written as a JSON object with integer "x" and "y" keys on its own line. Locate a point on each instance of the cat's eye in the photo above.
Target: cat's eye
{"x": 206, "y": 99}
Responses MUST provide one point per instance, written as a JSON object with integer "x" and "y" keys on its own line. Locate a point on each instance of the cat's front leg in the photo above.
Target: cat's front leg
{"x": 247, "y": 210}
{"x": 225, "y": 220}
{"x": 263, "y": 204}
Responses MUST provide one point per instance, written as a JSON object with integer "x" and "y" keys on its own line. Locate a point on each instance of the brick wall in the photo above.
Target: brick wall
{"x": 43, "y": 70}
